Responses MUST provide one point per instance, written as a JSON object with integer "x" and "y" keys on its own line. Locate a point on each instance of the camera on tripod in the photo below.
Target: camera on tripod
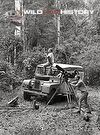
{"x": 67, "y": 75}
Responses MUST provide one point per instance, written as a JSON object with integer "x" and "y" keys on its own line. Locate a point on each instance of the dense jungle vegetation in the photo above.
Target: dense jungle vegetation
{"x": 79, "y": 39}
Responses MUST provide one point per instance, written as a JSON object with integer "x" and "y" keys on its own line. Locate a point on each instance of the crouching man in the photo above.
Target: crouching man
{"x": 80, "y": 85}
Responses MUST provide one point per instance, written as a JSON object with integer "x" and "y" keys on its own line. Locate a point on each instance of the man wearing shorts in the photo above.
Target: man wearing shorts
{"x": 80, "y": 85}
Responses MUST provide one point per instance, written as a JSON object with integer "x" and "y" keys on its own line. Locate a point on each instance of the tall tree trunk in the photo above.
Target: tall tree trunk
{"x": 12, "y": 56}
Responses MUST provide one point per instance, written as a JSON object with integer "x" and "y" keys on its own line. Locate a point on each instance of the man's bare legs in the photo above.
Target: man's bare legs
{"x": 83, "y": 97}
{"x": 46, "y": 65}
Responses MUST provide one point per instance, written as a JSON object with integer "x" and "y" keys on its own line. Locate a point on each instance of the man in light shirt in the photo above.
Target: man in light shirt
{"x": 80, "y": 85}
{"x": 50, "y": 59}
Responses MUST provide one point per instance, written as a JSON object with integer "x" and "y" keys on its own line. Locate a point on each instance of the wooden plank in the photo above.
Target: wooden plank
{"x": 13, "y": 102}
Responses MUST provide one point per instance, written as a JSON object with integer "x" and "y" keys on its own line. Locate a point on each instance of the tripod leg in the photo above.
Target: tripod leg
{"x": 68, "y": 98}
{"x": 73, "y": 93}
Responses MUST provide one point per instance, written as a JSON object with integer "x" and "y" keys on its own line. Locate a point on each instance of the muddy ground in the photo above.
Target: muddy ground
{"x": 56, "y": 119}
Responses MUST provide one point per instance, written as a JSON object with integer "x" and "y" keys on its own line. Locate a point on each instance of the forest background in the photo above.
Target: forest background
{"x": 79, "y": 40}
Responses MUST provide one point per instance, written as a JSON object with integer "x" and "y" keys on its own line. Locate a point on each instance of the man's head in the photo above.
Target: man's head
{"x": 76, "y": 72}
{"x": 50, "y": 50}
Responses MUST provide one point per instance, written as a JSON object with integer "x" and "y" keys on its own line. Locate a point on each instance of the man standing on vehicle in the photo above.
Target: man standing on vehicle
{"x": 50, "y": 59}
{"x": 80, "y": 85}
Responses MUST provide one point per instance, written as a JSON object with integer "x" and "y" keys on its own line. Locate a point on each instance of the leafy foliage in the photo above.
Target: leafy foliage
{"x": 8, "y": 80}
{"x": 29, "y": 60}
{"x": 79, "y": 38}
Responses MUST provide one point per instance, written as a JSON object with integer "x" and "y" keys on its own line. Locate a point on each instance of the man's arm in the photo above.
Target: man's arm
{"x": 77, "y": 83}
{"x": 80, "y": 85}
{"x": 74, "y": 84}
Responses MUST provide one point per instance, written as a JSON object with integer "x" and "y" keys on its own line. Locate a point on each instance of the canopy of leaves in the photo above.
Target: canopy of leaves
{"x": 8, "y": 77}
{"x": 79, "y": 36}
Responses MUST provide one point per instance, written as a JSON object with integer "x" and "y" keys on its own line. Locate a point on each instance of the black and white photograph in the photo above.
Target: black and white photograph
{"x": 49, "y": 67}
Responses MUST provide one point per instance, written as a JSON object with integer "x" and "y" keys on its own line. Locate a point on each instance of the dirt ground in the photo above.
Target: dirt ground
{"x": 56, "y": 119}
